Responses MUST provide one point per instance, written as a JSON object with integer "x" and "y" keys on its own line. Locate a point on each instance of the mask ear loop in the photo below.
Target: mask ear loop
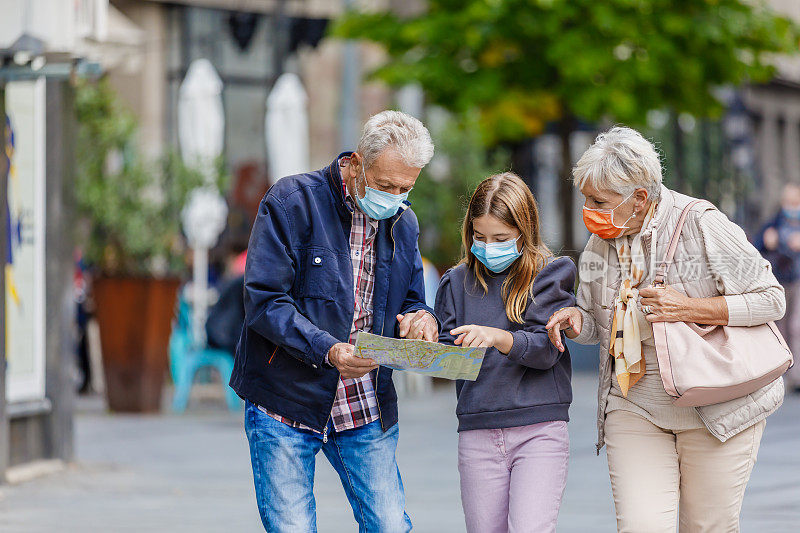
{"x": 623, "y": 227}
{"x": 364, "y": 174}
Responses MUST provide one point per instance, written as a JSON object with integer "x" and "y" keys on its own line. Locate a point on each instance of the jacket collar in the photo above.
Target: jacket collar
{"x": 334, "y": 176}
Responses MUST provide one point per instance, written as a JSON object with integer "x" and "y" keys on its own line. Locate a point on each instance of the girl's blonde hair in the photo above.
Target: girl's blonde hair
{"x": 506, "y": 197}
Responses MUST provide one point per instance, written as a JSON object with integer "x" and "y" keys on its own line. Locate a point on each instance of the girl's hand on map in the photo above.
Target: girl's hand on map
{"x": 474, "y": 336}
{"x": 419, "y": 325}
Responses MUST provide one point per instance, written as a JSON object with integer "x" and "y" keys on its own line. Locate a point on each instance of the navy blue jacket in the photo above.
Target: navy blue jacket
{"x": 298, "y": 296}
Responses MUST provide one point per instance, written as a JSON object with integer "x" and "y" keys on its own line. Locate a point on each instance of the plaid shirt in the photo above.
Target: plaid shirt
{"x": 355, "y": 404}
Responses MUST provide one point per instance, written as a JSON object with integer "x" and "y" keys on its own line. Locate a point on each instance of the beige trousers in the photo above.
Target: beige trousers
{"x": 655, "y": 472}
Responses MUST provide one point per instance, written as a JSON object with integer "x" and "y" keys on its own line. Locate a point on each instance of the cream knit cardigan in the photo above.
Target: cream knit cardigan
{"x": 713, "y": 258}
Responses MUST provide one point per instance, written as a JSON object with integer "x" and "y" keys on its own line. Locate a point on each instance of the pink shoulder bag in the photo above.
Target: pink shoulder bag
{"x": 703, "y": 365}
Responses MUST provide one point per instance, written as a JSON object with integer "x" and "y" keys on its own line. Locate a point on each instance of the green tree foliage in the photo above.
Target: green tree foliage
{"x": 130, "y": 208}
{"x": 440, "y": 198}
{"x": 524, "y": 63}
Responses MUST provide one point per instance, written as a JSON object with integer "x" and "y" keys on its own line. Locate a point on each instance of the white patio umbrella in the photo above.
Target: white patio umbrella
{"x": 201, "y": 129}
{"x": 201, "y": 118}
{"x": 286, "y": 127}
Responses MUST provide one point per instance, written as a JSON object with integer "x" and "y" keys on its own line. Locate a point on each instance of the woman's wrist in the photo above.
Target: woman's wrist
{"x": 504, "y": 341}
{"x": 712, "y": 310}
{"x": 569, "y": 331}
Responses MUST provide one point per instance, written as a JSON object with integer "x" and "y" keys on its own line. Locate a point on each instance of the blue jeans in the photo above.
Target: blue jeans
{"x": 283, "y": 460}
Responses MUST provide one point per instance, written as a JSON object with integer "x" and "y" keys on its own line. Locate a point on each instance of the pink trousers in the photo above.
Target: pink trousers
{"x": 512, "y": 479}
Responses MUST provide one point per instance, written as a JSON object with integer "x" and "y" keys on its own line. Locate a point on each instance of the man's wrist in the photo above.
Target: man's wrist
{"x": 322, "y": 344}
{"x": 433, "y": 317}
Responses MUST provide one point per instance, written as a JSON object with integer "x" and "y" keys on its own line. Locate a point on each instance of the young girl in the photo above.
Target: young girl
{"x": 513, "y": 444}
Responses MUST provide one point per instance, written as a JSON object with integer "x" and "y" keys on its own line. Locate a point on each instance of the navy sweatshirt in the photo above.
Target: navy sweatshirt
{"x": 530, "y": 384}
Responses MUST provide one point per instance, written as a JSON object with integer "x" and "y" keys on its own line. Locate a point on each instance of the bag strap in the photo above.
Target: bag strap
{"x": 661, "y": 273}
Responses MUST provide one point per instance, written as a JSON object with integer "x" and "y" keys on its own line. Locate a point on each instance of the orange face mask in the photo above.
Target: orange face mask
{"x": 601, "y": 221}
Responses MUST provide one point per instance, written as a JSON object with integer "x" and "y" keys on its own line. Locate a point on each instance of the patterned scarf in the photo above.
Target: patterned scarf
{"x": 630, "y": 327}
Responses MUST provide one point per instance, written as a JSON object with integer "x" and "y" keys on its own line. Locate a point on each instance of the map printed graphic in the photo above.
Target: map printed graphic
{"x": 428, "y": 358}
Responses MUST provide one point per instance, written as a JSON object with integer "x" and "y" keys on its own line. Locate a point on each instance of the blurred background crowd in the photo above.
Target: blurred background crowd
{"x": 140, "y": 136}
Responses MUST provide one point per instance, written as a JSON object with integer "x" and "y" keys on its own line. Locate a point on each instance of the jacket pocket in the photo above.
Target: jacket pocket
{"x": 321, "y": 274}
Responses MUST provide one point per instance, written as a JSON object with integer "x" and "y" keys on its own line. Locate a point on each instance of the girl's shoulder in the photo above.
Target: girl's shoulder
{"x": 561, "y": 268}
{"x": 460, "y": 280}
{"x": 558, "y": 262}
{"x": 456, "y": 272}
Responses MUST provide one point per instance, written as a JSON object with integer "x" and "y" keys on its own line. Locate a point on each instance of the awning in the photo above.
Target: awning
{"x": 121, "y": 48}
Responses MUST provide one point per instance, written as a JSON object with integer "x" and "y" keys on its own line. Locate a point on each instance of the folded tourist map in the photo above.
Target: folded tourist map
{"x": 428, "y": 358}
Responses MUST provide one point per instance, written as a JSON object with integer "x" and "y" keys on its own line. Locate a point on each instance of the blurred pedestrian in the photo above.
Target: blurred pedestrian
{"x": 779, "y": 242}
{"x": 668, "y": 464}
{"x": 226, "y": 316}
{"x": 513, "y": 445}
{"x": 81, "y": 286}
{"x": 333, "y": 252}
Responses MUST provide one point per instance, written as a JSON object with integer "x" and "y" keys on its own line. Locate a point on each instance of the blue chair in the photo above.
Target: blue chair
{"x": 186, "y": 358}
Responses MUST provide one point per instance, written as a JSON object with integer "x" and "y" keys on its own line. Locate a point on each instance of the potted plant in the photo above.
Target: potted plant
{"x": 131, "y": 239}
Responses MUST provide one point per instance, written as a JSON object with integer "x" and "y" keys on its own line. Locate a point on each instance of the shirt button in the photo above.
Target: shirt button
{"x": 317, "y": 260}
{"x": 315, "y": 366}
{"x": 358, "y": 253}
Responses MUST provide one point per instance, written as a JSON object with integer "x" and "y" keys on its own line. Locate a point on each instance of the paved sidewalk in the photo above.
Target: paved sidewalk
{"x": 192, "y": 473}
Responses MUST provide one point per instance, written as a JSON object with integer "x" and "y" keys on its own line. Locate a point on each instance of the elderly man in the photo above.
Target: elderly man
{"x": 333, "y": 252}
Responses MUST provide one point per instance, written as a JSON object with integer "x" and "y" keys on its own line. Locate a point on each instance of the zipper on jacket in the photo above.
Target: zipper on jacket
{"x": 391, "y": 230}
{"x": 377, "y": 401}
{"x": 378, "y": 373}
{"x": 606, "y": 353}
{"x": 383, "y": 325}
{"x": 328, "y": 421}
{"x": 330, "y": 415}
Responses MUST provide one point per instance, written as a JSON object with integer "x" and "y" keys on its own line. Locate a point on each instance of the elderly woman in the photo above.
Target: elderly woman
{"x": 662, "y": 458}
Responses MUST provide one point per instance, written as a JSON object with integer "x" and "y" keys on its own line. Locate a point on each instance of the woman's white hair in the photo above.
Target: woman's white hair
{"x": 620, "y": 160}
{"x": 402, "y": 132}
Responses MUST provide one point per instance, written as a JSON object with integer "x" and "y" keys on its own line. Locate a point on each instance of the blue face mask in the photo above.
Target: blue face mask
{"x": 379, "y": 205}
{"x": 496, "y": 256}
{"x": 791, "y": 213}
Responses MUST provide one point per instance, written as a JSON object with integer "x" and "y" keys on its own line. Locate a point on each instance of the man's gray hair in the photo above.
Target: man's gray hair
{"x": 620, "y": 160}
{"x": 402, "y": 132}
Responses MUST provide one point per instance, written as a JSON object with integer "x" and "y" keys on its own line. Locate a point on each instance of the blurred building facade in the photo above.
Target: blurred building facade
{"x": 774, "y": 109}
{"x": 739, "y": 161}
{"x": 43, "y": 44}
{"x": 250, "y": 44}
{"x": 751, "y": 151}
